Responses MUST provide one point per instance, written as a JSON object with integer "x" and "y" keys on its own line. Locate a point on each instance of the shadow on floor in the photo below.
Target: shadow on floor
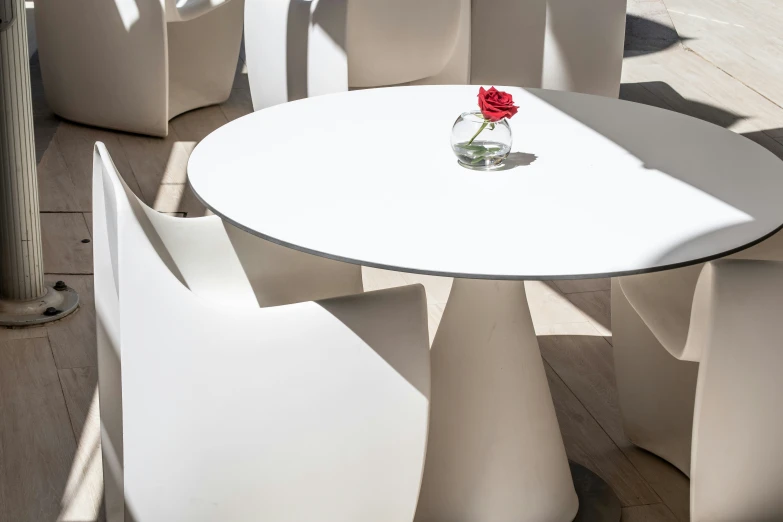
{"x": 44, "y": 120}
{"x": 663, "y": 95}
{"x": 645, "y": 36}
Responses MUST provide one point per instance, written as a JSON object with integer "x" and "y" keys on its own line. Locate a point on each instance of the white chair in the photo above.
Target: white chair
{"x": 298, "y": 49}
{"x": 132, "y": 65}
{"x": 656, "y": 391}
{"x": 651, "y": 318}
{"x": 213, "y": 408}
{"x": 564, "y": 45}
{"x": 717, "y": 417}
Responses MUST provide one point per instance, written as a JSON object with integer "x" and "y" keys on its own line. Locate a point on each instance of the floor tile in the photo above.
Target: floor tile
{"x": 651, "y": 513}
{"x": 740, "y": 37}
{"x": 434, "y": 315}
{"x": 88, "y": 221}
{"x": 596, "y": 306}
{"x": 638, "y": 93}
{"x": 154, "y": 161}
{"x": 83, "y": 495}
{"x": 196, "y": 125}
{"x": 241, "y": 80}
{"x": 668, "y": 482}
{"x": 377, "y": 279}
{"x": 583, "y": 285}
{"x": 587, "y": 444}
{"x": 44, "y": 120}
{"x": 648, "y": 27}
{"x": 438, "y": 288}
{"x": 178, "y": 199}
{"x": 768, "y": 142}
{"x": 73, "y": 337}
{"x": 63, "y": 250}
{"x": 550, "y": 306}
{"x": 8, "y": 334}
{"x": 76, "y": 143}
{"x": 692, "y": 85}
{"x": 37, "y": 445}
{"x": 586, "y": 366}
{"x": 57, "y": 191}
{"x": 239, "y": 104}
{"x": 79, "y": 388}
{"x": 584, "y": 328}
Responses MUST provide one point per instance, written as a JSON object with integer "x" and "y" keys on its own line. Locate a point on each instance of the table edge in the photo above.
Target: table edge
{"x": 490, "y": 277}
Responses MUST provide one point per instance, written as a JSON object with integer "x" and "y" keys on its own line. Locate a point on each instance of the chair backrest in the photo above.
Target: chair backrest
{"x": 735, "y": 335}
{"x": 564, "y": 45}
{"x": 184, "y": 10}
{"x": 300, "y": 49}
{"x": 400, "y": 41}
{"x": 295, "y": 50}
{"x": 107, "y": 307}
{"x": 309, "y": 411}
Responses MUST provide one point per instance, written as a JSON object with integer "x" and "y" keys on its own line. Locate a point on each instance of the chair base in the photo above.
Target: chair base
{"x": 597, "y": 501}
{"x": 55, "y": 304}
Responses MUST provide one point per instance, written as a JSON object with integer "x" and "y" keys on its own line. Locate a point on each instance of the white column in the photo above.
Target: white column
{"x": 21, "y": 264}
{"x": 23, "y": 295}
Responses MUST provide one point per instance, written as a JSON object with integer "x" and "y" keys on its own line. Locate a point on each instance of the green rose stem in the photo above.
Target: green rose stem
{"x": 483, "y": 126}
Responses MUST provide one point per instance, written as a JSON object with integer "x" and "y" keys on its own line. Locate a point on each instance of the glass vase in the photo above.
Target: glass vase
{"x": 478, "y": 143}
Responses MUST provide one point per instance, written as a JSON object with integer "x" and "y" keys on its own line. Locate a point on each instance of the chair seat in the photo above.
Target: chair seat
{"x": 664, "y": 299}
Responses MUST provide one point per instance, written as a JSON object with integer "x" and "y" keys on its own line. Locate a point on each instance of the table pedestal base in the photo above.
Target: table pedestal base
{"x": 495, "y": 453}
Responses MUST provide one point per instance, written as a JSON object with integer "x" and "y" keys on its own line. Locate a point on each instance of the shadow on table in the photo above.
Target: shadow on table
{"x": 661, "y": 94}
{"x": 666, "y": 144}
{"x": 664, "y": 96}
{"x": 517, "y": 159}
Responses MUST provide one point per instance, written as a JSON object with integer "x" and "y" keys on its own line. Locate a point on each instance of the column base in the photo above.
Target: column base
{"x": 597, "y": 501}
{"x": 58, "y": 301}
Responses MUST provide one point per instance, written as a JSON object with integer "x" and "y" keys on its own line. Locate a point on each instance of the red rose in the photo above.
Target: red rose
{"x": 496, "y": 105}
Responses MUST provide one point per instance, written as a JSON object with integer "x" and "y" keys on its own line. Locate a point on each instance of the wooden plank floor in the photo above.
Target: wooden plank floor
{"x": 49, "y": 428}
{"x": 742, "y": 37}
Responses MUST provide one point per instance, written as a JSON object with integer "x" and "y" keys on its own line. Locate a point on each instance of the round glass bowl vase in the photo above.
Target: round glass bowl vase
{"x": 479, "y": 144}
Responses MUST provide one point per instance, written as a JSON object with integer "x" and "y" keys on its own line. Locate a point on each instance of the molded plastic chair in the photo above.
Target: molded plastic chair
{"x": 650, "y": 326}
{"x": 215, "y": 409}
{"x": 132, "y": 65}
{"x": 717, "y": 420}
{"x": 299, "y": 49}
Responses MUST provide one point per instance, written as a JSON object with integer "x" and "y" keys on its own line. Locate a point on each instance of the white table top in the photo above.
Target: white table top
{"x": 369, "y": 177}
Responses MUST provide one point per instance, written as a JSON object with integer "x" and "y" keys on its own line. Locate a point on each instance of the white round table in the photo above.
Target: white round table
{"x": 593, "y": 187}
